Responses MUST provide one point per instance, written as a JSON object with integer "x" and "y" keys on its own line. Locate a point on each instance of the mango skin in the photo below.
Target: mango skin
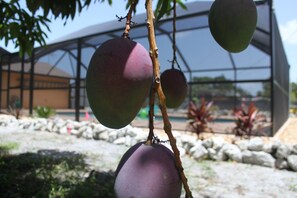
{"x": 232, "y": 23}
{"x": 174, "y": 86}
{"x": 147, "y": 171}
{"x": 118, "y": 79}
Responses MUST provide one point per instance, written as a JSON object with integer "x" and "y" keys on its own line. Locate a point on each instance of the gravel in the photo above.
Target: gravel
{"x": 206, "y": 178}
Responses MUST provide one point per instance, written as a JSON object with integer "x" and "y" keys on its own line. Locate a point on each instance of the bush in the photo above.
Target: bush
{"x": 44, "y": 112}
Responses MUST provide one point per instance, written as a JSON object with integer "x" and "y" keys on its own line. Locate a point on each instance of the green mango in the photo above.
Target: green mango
{"x": 232, "y": 23}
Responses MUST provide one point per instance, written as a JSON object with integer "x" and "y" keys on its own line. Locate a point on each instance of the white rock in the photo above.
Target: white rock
{"x": 212, "y": 154}
{"x": 63, "y": 130}
{"x": 258, "y": 158}
{"x": 38, "y": 126}
{"x": 198, "y": 152}
{"x": 113, "y": 135}
{"x": 128, "y": 141}
{"x": 268, "y": 148}
{"x": 255, "y": 144}
{"x": 120, "y": 141}
{"x": 76, "y": 133}
{"x": 233, "y": 152}
{"x": 188, "y": 141}
{"x": 218, "y": 143}
{"x": 281, "y": 164}
{"x": 283, "y": 151}
{"x": 104, "y": 136}
{"x": 242, "y": 144}
{"x": 121, "y": 132}
{"x": 292, "y": 162}
{"x": 207, "y": 143}
{"x": 88, "y": 134}
{"x": 294, "y": 149}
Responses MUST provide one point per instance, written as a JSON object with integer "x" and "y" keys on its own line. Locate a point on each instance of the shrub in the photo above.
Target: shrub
{"x": 199, "y": 116}
{"x": 245, "y": 120}
{"x": 44, "y": 112}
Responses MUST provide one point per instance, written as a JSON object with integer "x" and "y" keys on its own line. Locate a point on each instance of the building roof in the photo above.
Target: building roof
{"x": 39, "y": 68}
{"x": 3, "y": 51}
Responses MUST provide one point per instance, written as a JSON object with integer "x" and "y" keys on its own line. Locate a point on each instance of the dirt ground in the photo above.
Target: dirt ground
{"x": 288, "y": 133}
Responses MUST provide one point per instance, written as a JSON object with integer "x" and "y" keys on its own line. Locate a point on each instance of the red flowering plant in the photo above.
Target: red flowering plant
{"x": 200, "y": 116}
{"x": 245, "y": 120}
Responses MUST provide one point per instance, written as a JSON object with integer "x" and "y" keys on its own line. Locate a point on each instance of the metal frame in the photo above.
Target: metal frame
{"x": 83, "y": 42}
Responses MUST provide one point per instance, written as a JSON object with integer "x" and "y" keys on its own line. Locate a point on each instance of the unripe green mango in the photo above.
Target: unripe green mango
{"x": 174, "y": 86}
{"x": 232, "y": 23}
{"x": 118, "y": 79}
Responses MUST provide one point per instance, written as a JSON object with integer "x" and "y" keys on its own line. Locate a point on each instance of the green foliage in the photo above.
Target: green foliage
{"x": 7, "y": 146}
{"x": 165, "y": 6}
{"x": 44, "y": 112}
{"x": 21, "y": 27}
{"x": 199, "y": 116}
{"x": 215, "y": 86}
{"x": 52, "y": 174}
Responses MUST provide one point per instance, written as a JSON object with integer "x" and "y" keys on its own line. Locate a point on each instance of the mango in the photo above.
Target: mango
{"x": 232, "y": 23}
{"x": 174, "y": 86}
{"x": 118, "y": 80}
{"x": 147, "y": 171}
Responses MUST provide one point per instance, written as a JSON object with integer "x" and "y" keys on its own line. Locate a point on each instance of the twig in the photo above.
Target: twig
{"x": 162, "y": 100}
{"x": 128, "y": 17}
{"x": 151, "y": 114}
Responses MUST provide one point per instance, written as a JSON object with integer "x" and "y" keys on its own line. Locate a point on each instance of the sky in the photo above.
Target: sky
{"x": 285, "y": 11}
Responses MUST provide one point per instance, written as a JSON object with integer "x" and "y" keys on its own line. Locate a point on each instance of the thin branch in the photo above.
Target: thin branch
{"x": 151, "y": 115}
{"x": 128, "y": 17}
{"x": 162, "y": 100}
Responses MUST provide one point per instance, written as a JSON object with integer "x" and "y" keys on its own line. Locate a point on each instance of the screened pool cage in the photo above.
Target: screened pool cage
{"x": 55, "y": 74}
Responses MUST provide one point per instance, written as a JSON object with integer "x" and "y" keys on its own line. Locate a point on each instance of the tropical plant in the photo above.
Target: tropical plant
{"x": 200, "y": 116}
{"x": 44, "y": 112}
{"x": 245, "y": 120}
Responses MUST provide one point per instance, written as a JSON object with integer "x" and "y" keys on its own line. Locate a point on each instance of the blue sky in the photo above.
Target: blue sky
{"x": 285, "y": 12}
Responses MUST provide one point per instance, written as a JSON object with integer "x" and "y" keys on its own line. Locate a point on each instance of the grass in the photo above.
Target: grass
{"x": 51, "y": 174}
{"x": 7, "y": 146}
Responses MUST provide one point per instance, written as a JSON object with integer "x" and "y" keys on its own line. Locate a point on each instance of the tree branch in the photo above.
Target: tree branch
{"x": 162, "y": 99}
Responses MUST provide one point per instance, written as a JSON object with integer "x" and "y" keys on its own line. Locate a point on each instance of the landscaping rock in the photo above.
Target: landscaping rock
{"x": 282, "y": 152}
{"x": 268, "y": 148}
{"x": 76, "y": 133}
{"x": 218, "y": 143}
{"x": 198, "y": 152}
{"x": 258, "y": 158}
{"x": 281, "y": 164}
{"x": 256, "y": 144}
{"x": 242, "y": 144}
{"x": 212, "y": 154}
{"x": 294, "y": 149}
{"x": 233, "y": 152}
{"x": 208, "y": 143}
{"x": 120, "y": 141}
{"x": 292, "y": 162}
{"x": 188, "y": 142}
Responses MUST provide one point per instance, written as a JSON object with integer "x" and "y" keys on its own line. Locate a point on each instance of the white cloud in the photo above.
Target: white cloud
{"x": 289, "y": 31}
